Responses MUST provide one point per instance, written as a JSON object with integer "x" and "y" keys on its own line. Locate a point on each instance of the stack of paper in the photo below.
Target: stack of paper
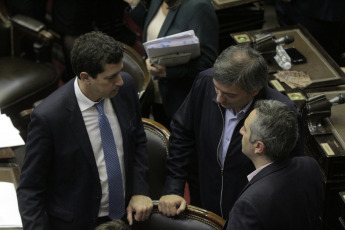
{"x": 9, "y": 212}
{"x": 9, "y": 135}
{"x": 174, "y": 49}
{"x": 294, "y": 79}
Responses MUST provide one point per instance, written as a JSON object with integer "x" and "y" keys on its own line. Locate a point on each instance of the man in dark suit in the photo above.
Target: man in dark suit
{"x": 64, "y": 179}
{"x": 282, "y": 193}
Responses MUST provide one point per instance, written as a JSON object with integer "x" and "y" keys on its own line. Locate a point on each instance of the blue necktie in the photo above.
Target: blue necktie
{"x": 116, "y": 197}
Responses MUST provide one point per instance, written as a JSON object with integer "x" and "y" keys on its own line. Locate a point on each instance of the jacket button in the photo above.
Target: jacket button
{"x": 94, "y": 220}
{"x": 98, "y": 198}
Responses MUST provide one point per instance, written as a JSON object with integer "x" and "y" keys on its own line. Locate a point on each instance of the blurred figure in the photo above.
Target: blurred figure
{"x": 71, "y": 18}
{"x": 114, "y": 225}
{"x": 324, "y": 19}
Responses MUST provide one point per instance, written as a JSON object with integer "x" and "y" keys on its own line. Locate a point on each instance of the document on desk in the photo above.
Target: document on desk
{"x": 9, "y": 135}
{"x": 173, "y": 50}
{"x": 9, "y": 212}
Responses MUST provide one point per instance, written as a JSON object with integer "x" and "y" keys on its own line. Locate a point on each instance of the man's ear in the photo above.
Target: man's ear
{"x": 255, "y": 93}
{"x": 259, "y": 147}
{"x": 85, "y": 77}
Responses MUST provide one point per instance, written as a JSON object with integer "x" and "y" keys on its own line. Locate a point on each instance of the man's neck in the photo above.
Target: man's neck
{"x": 261, "y": 161}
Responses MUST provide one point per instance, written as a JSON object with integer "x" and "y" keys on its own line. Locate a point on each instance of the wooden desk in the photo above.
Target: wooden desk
{"x": 321, "y": 68}
{"x": 6, "y": 153}
{"x": 329, "y": 150}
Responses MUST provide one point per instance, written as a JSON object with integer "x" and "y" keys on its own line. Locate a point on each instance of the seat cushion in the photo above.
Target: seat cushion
{"x": 22, "y": 79}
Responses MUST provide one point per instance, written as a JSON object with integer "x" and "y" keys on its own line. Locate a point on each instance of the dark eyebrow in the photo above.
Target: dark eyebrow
{"x": 112, "y": 76}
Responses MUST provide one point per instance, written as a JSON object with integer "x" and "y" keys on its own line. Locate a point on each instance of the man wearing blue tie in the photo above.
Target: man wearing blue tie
{"x": 86, "y": 160}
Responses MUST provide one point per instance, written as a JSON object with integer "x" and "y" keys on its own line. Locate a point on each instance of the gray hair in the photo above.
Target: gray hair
{"x": 276, "y": 126}
{"x": 243, "y": 66}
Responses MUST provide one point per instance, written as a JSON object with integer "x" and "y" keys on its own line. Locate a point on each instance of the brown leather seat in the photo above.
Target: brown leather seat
{"x": 135, "y": 66}
{"x": 157, "y": 149}
{"x": 23, "y": 81}
{"x": 193, "y": 218}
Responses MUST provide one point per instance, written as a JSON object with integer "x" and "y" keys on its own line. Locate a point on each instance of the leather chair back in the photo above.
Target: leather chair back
{"x": 193, "y": 218}
{"x": 135, "y": 66}
{"x": 157, "y": 149}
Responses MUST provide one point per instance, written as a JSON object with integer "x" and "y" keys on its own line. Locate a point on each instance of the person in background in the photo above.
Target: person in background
{"x": 282, "y": 193}
{"x": 168, "y": 17}
{"x": 205, "y": 143}
{"x": 75, "y": 135}
{"x": 114, "y": 225}
{"x": 324, "y": 19}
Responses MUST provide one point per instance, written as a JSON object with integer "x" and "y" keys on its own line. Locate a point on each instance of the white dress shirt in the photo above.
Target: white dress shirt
{"x": 90, "y": 116}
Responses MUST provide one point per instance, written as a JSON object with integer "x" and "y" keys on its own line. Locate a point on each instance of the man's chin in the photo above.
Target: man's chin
{"x": 226, "y": 106}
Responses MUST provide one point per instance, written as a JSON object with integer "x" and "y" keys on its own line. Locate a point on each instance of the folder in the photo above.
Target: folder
{"x": 173, "y": 50}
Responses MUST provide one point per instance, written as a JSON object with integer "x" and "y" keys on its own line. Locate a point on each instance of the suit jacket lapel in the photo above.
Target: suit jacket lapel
{"x": 76, "y": 122}
{"x": 276, "y": 166}
{"x": 152, "y": 12}
{"x": 167, "y": 23}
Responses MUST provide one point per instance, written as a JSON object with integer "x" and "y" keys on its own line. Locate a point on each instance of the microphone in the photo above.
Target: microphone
{"x": 340, "y": 99}
{"x": 268, "y": 43}
{"x": 287, "y": 39}
{"x": 320, "y": 103}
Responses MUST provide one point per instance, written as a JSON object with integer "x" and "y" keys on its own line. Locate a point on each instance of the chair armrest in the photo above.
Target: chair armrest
{"x": 28, "y": 22}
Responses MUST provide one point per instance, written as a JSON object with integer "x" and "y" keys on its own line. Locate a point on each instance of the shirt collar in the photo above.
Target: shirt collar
{"x": 84, "y": 102}
{"x": 255, "y": 172}
{"x": 232, "y": 115}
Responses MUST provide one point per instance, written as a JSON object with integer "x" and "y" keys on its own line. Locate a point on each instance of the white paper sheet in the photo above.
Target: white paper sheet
{"x": 9, "y": 212}
{"x": 9, "y": 135}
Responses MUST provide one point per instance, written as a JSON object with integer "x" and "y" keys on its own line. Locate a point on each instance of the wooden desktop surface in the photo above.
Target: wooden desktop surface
{"x": 321, "y": 68}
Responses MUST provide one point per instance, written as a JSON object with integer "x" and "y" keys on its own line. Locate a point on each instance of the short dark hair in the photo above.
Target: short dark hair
{"x": 276, "y": 126}
{"x": 92, "y": 51}
{"x": 113, "y": 225}
{"x": 243, "y": 66}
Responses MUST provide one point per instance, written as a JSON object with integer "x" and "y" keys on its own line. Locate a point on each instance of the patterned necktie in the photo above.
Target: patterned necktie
{"x": 116, "y": 197}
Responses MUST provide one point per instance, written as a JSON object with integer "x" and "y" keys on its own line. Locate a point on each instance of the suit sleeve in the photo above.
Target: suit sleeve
{"x": 31, "y": 190}
{"x": 204, "y": 22}
{"x": 244, "y": 216}
{"x": 181, "y": 145}
{"x": 140, "y": 161}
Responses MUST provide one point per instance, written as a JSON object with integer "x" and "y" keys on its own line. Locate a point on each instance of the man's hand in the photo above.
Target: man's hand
{"x": 156, "y": 69}
{"x": 132, "y": 3}
{"x": 140, "y": 206}
{"x": 171, "y": 205}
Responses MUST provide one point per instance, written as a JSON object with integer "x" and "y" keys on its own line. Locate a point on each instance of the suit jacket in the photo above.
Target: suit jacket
{"x": 284, "y": 195}
{"x": 197, "y": 15}
{"x": 59, "y": 186}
